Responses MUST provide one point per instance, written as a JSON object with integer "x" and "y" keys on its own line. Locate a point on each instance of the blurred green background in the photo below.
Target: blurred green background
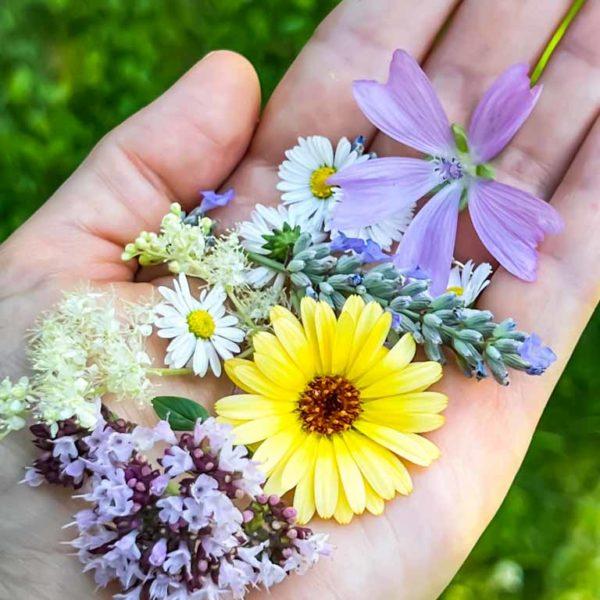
{"x": 72, "y": 69}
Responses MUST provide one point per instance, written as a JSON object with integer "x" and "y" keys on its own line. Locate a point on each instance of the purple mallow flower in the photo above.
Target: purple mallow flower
{"x": 538, "y": 356}
{"x": 510, "y": 222}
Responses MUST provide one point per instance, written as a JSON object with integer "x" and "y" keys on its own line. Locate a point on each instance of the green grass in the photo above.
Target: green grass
{"x": 71, "y": 70}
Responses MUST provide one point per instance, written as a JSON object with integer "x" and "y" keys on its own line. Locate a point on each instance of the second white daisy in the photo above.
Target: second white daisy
{"x": 469, "y": 282}
{"x": 202, "y": 333}
{"x": 305, "y": 173}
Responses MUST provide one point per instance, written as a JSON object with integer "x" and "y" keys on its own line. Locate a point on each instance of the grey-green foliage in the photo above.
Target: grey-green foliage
{"x": 443, "y": 324}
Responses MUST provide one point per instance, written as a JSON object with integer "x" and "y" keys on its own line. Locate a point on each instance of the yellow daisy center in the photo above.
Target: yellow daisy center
{"x": 457, "y": 289}
{"x": 201, "y": 324}
{"x": 329, "y": 404}
{"x": 318, "y": 185}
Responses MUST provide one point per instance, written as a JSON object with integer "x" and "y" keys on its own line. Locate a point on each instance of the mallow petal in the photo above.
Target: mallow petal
{"x": 377, "y": 189}
{"x": 501, "y": 112}
{"x": 511, "y": 223}
{"x": 406, "y": 108}
{"x": 428, "y": 243}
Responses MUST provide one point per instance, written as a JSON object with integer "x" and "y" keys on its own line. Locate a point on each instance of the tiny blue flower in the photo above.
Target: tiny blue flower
{"x": 355, "y": 279}
{"x": 211, "y": 199}
{"x": 539, "y": 357}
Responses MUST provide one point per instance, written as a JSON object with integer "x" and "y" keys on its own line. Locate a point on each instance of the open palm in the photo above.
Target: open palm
{"x": 201, "y": 134}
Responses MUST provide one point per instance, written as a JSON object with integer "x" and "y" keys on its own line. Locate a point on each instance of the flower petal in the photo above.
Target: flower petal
{"x": 396, "y": 359}
{"x": 501, "y": 112}
{"x": 378, "y": 189}
{"x": 351, "y": 479}
{"x": 299, "y": 462}
{"x": 416, "y": 377}
{"x": 410, "y": 446}
{"x": 260, "y": 429}
{"x": 368, "y": 458}
{"x": 406, "y": 108}
{"x": 250, "y": 406}
{"x": 511, "y": 223}
{"x": 273, "y": 449}
{"x": 343, "y": 513}
{"x": 326, "y": 479}
{"x": 304, "y": 496}
{"x": 429, "y": 240}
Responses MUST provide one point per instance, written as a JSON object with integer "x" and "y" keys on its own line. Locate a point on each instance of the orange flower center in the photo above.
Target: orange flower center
{"x": 329, "y": 404}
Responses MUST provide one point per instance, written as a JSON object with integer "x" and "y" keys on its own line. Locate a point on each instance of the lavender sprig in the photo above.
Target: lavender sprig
{"x": 440, "y": 324}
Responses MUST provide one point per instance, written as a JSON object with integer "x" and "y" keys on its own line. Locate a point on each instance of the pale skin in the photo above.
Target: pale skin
{"x": 207, "y": 132}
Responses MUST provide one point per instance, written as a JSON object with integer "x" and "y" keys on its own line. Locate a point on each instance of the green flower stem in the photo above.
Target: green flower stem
{"x": 169, "y": 372}
{"x": 539, "y": 68}
{"x": 267, "y": 262}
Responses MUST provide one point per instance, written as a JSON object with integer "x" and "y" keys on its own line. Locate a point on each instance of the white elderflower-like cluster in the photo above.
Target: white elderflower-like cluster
{"x": 225, "y": 264}
{"x": 90, "y": 345}
{"x": 14, "y": 405}
{"x": 179, "y": 244}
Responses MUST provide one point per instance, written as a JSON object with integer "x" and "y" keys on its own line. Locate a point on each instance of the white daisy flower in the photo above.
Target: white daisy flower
{"x": 201, "y": 331}
{"x": 305, "y": 173}
{"x": 467, "y": 282}
{"x": 272, "y": 232}
{"x": 383, "y": 234}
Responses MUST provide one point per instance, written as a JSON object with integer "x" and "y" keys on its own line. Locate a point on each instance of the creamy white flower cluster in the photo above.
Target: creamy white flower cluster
{"x": 89, "y": 345}
{"x": 14, "y": 404}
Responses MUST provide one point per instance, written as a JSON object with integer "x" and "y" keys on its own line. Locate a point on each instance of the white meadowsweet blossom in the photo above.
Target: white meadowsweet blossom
{"x": 89, "y": 345}
{"x": 179, "y": 244}
{"x": 305, "y": 172}
{"x": 201, "y": 331}
{"x": 469, "y": 282}
{"x": 272, "y": 232}
{"x": 14, "y": 405}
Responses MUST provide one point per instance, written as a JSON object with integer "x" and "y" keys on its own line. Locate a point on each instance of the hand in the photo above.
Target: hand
{"x": 194, "y": 136}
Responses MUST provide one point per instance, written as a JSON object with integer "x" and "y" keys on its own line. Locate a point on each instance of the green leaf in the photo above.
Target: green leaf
{"x": 181, "y": 413}
{"x": 460, "y": 138}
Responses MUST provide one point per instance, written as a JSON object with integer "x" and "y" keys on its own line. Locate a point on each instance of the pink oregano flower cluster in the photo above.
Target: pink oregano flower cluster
{"x": 194, "y": 526}
{"x": 510, "y": 222}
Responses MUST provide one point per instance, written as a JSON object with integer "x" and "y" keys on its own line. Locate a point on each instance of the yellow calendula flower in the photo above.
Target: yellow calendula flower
{"x": 335, "y": 412}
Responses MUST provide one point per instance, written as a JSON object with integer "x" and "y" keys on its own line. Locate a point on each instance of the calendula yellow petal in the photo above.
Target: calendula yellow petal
{"x": 342, "y": 340}
{"x": 247, "y": 376}
{"x": 326, "y": 479}
{"x": 279, "y": 374}
{"x": 343, "y": 513}
{"x": 416, "y": 377}
{"x": 419, "y": 402}
{"x": 325, "y": 326}
{"x": 274, "y": 485}
{"x": 413, "y": 447}
{"x": 292, "y": 338}
{"x": 267, "y": 344}
{"x": 308, "y": 309}
{"x": 354, "y": 306}
{"x": 374, "y": 504}
{"x": 392, "y": 361}
{"x": 364, "y": 325}
{"x": 368, "y": 353}
{"x": 369, "y": 465}
{"x": 304, "y": 496}
{"x": 300, "y": 461}
{"x": 350, "y": 475}
{"x": 274, "y": 448}
{"x": 250, "y": 406}
{"x": 260, "y": 429}
{"x": 403, "y": 421}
